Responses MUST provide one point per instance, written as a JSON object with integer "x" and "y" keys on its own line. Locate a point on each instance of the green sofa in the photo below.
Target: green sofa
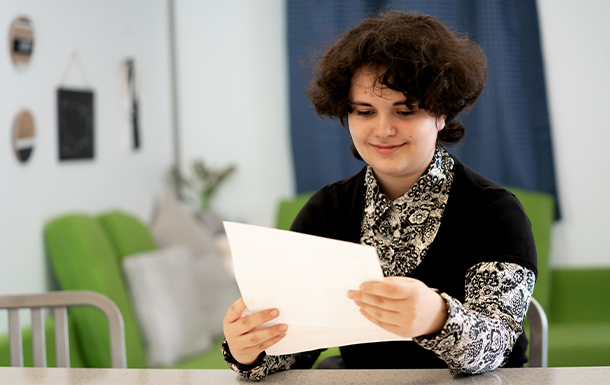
{"x": 579, "y": 317}
{"x": 85, "y": 254}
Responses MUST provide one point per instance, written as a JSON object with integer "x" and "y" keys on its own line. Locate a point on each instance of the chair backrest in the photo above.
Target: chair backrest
{"x": 60, "y": 301}
{"x": 539, "y": 335}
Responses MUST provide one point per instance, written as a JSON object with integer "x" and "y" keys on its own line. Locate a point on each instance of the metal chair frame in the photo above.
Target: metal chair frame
{"x": 539, "y": 335}
{"x": 60, "y": 301}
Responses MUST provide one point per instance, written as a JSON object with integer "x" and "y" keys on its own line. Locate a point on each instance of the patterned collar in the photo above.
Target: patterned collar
{"x": 403, "y": 230}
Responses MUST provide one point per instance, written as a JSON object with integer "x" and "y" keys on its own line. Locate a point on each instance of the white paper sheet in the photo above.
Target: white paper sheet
{"x": 306, "y": 278}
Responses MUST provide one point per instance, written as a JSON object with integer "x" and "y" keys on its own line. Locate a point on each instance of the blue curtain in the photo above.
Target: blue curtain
{"x": 507, "y": 132}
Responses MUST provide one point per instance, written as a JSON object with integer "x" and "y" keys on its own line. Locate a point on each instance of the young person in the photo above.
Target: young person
{"x": 456, "y": 248}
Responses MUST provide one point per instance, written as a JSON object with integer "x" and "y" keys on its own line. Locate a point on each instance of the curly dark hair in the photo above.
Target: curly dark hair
{"x": 438, "y": 70}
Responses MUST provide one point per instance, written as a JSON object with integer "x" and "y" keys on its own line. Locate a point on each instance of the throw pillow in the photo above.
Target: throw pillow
{"x": 174, "y": 225}
{"x": 166, "y": 297}
{"x": 218, "y": 290}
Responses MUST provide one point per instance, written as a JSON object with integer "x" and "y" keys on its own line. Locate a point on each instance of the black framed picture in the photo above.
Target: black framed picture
{"x": 75, "y": 124}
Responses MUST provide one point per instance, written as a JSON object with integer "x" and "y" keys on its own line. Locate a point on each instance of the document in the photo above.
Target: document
{"x": 306, "y": 278}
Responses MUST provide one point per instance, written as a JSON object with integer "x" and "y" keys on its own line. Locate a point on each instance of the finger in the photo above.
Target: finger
{"x": 266, "y": 344}
{"x": 384, "y": 325}
{"x": 254, "y": 320}
{"x": 374, "y": 320}
{"x": 235, "y": 311}
{"x": 382, "y": 315}
{"x": 374, "y": 300}
{"x": 261, "y": 337}
{"x": 394, "y": 288}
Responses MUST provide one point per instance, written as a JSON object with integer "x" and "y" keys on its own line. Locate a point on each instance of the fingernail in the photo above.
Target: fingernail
{"x": 283, "y": 327}
{"x": 351, "y": 294}
{"x": 273, "y": 313}
{"x": 362, "y": 287}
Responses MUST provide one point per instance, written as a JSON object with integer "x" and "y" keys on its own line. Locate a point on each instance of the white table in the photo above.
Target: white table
{"x": 537, "y": 376}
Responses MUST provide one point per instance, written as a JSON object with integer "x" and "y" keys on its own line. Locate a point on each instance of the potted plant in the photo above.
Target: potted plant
{"x": 203, "y": 185}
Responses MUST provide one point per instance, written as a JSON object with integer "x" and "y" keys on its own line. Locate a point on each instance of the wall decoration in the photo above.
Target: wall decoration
{"x": 21, "y": 40}
{"x": 128, "y": 107}
{"x": 24, "y": 135}
{"x": 75, "y": 124}
{"x": 75, "y": 115}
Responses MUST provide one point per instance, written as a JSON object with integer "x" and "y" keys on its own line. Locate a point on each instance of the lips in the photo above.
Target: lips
{"x": 386, "y": 149}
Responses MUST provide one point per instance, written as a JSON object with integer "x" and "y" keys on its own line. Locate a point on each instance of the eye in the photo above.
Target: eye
{"x": 364, "y": 113}
{"x": 405, "y": 113}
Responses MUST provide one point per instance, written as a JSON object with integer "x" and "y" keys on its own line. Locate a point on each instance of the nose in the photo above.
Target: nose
{"x": 384, "y": 127}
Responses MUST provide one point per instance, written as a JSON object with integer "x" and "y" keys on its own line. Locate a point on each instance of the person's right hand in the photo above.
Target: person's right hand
{"x": 245, "y": 343}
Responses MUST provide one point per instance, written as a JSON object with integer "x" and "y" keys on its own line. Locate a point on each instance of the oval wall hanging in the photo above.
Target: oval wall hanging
{"x": 24, "y": 136}
{"x": 21, "y": 40}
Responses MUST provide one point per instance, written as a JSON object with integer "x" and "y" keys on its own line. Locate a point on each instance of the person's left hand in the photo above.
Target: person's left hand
{"x": 401, "y": 305}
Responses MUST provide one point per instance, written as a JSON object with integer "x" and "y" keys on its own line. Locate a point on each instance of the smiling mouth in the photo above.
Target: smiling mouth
{"x": 387, "y": 149}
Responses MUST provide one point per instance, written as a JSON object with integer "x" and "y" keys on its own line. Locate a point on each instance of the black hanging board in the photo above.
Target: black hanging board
{"x": 75, "y": 124}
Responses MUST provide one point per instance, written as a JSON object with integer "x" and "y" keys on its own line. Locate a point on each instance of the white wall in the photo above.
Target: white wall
{"x": 102, "y": 32}
{"x": 576, "y": 48}
{"x": 234, "y": 108}
{"x": 233, "y": 98}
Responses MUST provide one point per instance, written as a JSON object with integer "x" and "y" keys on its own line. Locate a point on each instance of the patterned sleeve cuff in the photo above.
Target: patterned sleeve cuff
{"x": 266, "y": 364}
{"x": 449, "y": 334}
{"x": 449, "y": 343}
{"x": 252, "y": 372}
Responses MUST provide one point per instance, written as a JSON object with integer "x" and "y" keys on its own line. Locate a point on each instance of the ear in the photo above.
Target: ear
{"x": 440, "y": 122}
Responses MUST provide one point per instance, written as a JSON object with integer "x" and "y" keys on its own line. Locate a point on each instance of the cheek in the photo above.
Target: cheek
{"x": 354, "y": 131}
{"x": 428, "y": 130}
{"x": 357, "y": 140}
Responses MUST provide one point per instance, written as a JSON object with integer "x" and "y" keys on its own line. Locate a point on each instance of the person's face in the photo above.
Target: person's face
{"x": 396, "y": 140}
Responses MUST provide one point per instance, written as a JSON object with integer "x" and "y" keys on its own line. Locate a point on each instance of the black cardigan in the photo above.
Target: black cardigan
{"x": 482, "y": 222}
